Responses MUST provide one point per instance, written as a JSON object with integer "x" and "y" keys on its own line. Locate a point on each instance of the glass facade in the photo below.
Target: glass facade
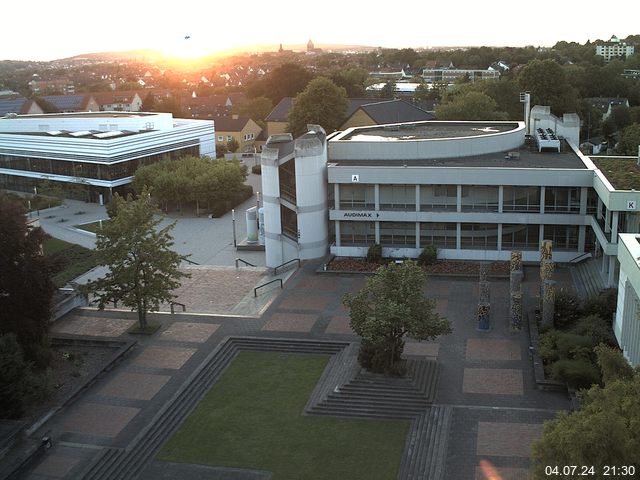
{"x": 359, "y": 234}
{"x": 357, "y": 197}
{"x": 438, "y": 198}
{"x": 564, "y": 237}
{"x": 479, "y": 198}
{"x": 520, "y": 199}
{"x": 441, "y": 235}
{"x": 562, "y": 200}
{"x": 479, "y": 236}
{"x": 520, "y": 237}
{"x": 398, "y": 234}
{"x": 397, "y": 197}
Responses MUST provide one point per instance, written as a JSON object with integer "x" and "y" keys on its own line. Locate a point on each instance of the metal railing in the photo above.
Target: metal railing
{"x": 579, "y": 258}
{"x": 245, "y": 262}
{"x": 190, "y": 261}
{"x": 275, "y": 270}
{"x": 173, "y": 304}
{"x": 255, "y": 290}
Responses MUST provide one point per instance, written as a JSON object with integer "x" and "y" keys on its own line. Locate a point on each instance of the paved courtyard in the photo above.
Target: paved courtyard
{"x": 486, "y": 377}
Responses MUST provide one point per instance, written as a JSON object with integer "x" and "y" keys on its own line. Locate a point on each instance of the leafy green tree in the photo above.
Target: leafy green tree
{"x": 603, "y": 432}
{"x": 390, "y": 306}
{"x": 321, "y": 103}
{"x": 233, "y": 145}
{"x": 548, "y": 85}
{"x": 470, "y": 106}
{"x": 629, "y": 140}
{"x": 354, "y": 81}
{"x": 257, "y": 109}
{"x": 388, "y": 91}
{"x": 26, "y": 288}
{"x": 287, "y": 80}
{"x": 143, "y": 269}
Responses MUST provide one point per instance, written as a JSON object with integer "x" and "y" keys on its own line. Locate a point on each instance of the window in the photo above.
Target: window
{"x": 521, "y": 199}
{"x": 480, "y": 198}
{"x": 289, "y": 222}
{"x": 564, "y": 237}
{"x": 220, "y": 138}
{"x": 401, "y": 234}
{"x": 442, "y": 235}
{"x": 520, "y": 237}
{"x": 357, "y": 233}
{"x": 562, "y": 199}
{"x": 479, "y": 236}
{"x": 438, "y": 197}
{"x": 357, "y": 197}
{"x": 397, "y": 197}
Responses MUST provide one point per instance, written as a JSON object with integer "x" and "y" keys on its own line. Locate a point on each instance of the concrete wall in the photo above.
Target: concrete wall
{"x": 627, "y": 322}
{"x": 85, "y": 121}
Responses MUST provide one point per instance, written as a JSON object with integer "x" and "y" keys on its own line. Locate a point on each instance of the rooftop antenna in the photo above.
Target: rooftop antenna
{"x": 525, "y": 97}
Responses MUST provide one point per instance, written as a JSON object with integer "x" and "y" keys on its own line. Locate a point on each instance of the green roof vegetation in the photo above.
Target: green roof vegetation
{"x": 622, "y": 173}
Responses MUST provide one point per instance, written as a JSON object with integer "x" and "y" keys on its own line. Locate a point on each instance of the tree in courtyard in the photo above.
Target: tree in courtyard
{"x": 390, "y": 306}
{"x": 321, "y": 103}
{"x": 606, "y": 429}
{"x": 143, "y": 269}
{"x": 470, "y": 106}
{"x": 26, "y": 288}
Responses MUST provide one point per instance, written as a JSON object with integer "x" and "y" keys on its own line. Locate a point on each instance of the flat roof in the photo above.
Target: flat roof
{"x": 427, "y": 130}
{"x": 91, "y": 115}
{"x": 623, "y": 173}
{"x": 527, "y": 156}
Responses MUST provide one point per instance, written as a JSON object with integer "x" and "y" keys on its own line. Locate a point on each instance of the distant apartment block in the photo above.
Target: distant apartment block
{"x": 449, "y": 75}
{"x": 64, "y": 86}
{"x": 118, "y": 101}
{"x": 614, "y": 48}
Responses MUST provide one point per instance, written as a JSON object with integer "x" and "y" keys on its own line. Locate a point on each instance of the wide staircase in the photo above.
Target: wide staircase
{"x": 589, "y": 279}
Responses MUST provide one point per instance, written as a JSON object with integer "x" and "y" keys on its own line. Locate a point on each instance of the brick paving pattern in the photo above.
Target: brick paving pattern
{"x": 98, "y": 419}
{"x": 506, "y": 439}
{"x": 94, "y": 326}
{"x": 492, "y": 349}
{"x": 135, "y": 386}
{"x": 495, "y": 381}
{"x": 164, "y": 357}
{"x": 189, "y": 332}
{"x": 305, "y": 302}
{"x": 422, "y": 349}
{"x": 339, "y": 324}
{"x": 290, "y": 322}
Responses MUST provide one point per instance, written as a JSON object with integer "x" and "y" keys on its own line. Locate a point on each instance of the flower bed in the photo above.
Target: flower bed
{"x": 441, "y": 267}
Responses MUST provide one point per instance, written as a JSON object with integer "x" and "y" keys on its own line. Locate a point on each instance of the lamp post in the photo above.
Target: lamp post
{"x": 233, "y": 221}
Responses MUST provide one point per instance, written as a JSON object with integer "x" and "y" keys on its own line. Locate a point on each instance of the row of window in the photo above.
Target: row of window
{"x": 475, "y": 236}
{"x": 246, "y": 137}
{"x": 93, "y": 171}
{"x": 473, "y": 198}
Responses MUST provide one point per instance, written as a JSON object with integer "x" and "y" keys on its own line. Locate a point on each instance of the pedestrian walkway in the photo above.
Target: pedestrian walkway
{"x": 486, "y": 387}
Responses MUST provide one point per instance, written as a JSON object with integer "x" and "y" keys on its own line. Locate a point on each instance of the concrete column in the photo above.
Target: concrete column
{"x": 337, "y": 225}
{"x": 548, "y": 302}
{"x": 378, "y": 233}
{"x": 458, "y": 236}
{"x": 603, "y": 269}
{"x": 376, "y": 195}
{"x": 499, "y": 236}
{"x": 542, "y": 190}
{"x": 612, "y": 272}
{"x": 541, "y": 234}
{"x": 582, "y": 236}
{"x": 614, "y": 227}
{"x": 417, "y": 198}
{"x": 515, "y": 298}
{"x": 336, "y": 196}
{"x": 459, "y": 198}
{"x": 418, "y": 235}
{"x": 500, "y": 201}
{"x": 599, "y": 209}
{"x": 484, "y": 301}
{"x": 584, "y": 192}
{"x": 607, "y": 221}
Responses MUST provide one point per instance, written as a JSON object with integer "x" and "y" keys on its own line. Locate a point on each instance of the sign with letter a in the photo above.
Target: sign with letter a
{"x": 355, "y": 178}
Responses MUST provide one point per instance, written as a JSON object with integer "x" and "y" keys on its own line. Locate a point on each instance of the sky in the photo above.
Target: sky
{"x": 51, "y": 30}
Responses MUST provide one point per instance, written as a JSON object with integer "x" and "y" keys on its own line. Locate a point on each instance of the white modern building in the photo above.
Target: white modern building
{"x": 614, "y": 48}
{"x": 627, "y": 322}
{"x": 449, "y": 75}
{"x": 99, "y": 149}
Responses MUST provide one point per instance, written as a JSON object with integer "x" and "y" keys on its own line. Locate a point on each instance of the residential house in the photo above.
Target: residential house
{"x": 385, "y": 112}
{"x": 244, "y": 130}
{"x": 72, "y": 103}
{"x": 607, "y": 104}
{"x": 64, "y": 86}
{"x": 19, "y": 106}
{"x": 119, "y": 101}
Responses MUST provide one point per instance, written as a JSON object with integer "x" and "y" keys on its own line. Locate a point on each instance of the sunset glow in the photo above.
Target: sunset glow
{"x": 212, "y": 28}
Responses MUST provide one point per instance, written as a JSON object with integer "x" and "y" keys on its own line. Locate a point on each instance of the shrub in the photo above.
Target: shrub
{"x": 548, "y": 346}
{"x": 257, "y": 169}
{"x": 604, "y": 305}
{"x": 567, "y": 308}
{"x": 596, "y": 328}
{"x": 375, "y": 359}
{"x": 573, "y": 346}
{"x": 576, "y": 373}
{"x": 428, "y": 256}
{"x": 612, "y": 364}
{"x": 374, "y": 254}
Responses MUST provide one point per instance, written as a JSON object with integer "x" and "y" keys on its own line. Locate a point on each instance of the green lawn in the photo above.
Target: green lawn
{"x": 75, "y": 259}
{"x": 252, "y": 418}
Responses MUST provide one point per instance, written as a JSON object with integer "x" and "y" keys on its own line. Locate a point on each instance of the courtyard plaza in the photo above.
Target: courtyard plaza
{"x": 486, "y": 378}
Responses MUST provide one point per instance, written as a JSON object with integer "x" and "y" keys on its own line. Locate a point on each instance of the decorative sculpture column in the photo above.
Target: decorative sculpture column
{"x": 546, "y": 265}
{"x": 548, "y": 302}
{"x": 484, "y": 301}
{"x": 516, "y": 276}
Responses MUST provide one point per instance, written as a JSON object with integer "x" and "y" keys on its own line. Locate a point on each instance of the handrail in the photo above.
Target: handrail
{"x": 190, "y": 261}
{"x": 172, "y": 304}
{"x": 255, "y": 290}
{"x": 275, "y": 270}
{"x": 579, "y": 258}
{"x": 245, "y": 262}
